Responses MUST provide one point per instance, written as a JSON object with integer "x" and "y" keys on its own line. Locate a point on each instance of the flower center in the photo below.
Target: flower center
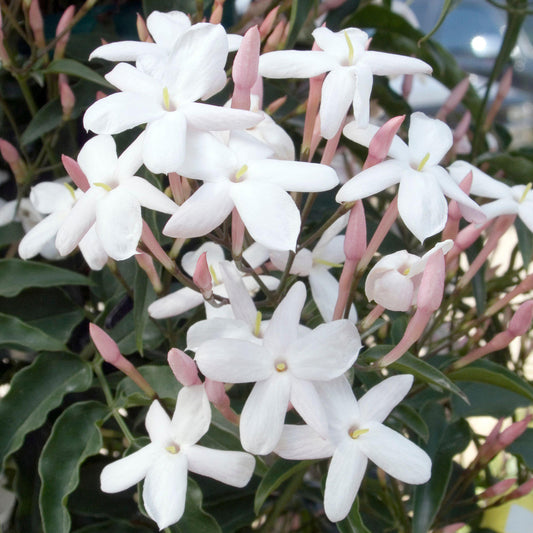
{"x": 281, "y": 367}
{"x": 213, "y": 275}
{"x": 104, "y": 186}
{"x": 327, "y": 263}
{"x": 406, "y": 271}
{"x": 173, "y": 449}
{"x": 257, "y": 327}
{"x": 350, "y": 47}
{"x": 167, "y": 104}
{"x": 356, "y": 433}
{"x": 423, "y": 163}
{"x": 70, "y": 190}
{"x": 525, "y": 193}
{"x": 240, "y": 173}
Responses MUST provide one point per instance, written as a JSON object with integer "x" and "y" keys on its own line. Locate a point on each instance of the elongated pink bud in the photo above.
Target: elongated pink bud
{"x": 146, "y": 262}
{"x": 462, "y": 128}
{"x": 37, "y": 24}
{"x": 521, "y": 320}
{"x": 380, "y": 144}
{"x": 62, "y": 25}
{"x": 100, "y": 95}
{"x": 503, "y": 90}
{"x": 142, "y": 30}
{"x": 355, "y": 239}
{"x": 216, "y": 12}
{"x": 202, "y": 277}
{"x": 183, "y": 367}
{"x": 110, "y": 352}
{"x": 523, "y": 287}
{"x": 75, "y": 172}
{"x": 275, "y": 105}
{"x": 454, "y": 212}
{"x": 407, "y": 86}
{"x": 497, "y": 489}
{"x": 509, "y": 435}
{"x": 245, "y": 66}
{"x": 267, "y": 24}
{"x": 431, "y": 287}
{"x": 217, "y": 396}
{"x": 12, "y": 158}
{"x": 237, "y": 233}
{"x": 67, "y": 98}
{"x": 275, "y": 38}
{"x": 490, "y": 447}
{"x": 452, "y": 528}
{"x": 149, "y": 240}
{"x": 454, "y": 99}
{"x": 521, "y": 491}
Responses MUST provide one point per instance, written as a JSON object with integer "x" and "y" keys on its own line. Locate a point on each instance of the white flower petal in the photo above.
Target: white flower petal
{"x": 127, "y": 78}
{"x": 263, "y": 414}
{"x": 175, "y": 303}
{"x": 192, "y": 416}
{"x": 149, "y": 196}
{"x": 123, "y": 51}
{"x": 130, "y": 160}
{"x": 295, "y": 64}
{"x": 241, "y": 301}
{"x": 525, "y": 212}
{"x": 234, "y": 361}
{"x": 339, "y": 402}
{"x": 397, "y": 150}
{"x": 337, "y": 95}
{"x": 33, "y": 242}
{"x": 391, "y": 289}
{"x": 302, "y": 442}
{"x": 92, "y": 250}
{"x": 256, "y": 254}
{"x": 385, "y": 64}
{"x": 345, "y": 474}
{"x": 232, "y": 468}
{"x": 165, "y": 28}
{"x": 505, "y": 206}
{"x": 482, "y": 184}
{"x": 49, "y": 196}
{"x": 306, "y": 401}
{"x": 428, "y": 136}
{"x": 98, "y": 159}
{"x": 208, "y": 117}
{"x": 216, "y": 328}
{"x": 268, "y": 212}
{"x": 157, "y": 424}
{"x": 361, "y": 99}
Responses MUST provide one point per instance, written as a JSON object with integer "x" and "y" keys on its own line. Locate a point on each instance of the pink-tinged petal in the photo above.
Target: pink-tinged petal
{"x": 293, "y": 175}
{"x": 268, "y": 212}
{"x": 199, "y": 58}
{"x": 232, "y": 468}
{"x": 192, "y": 416}
{"x": 79, "y": 220}
{"x": 127, "y": 78}
{"x": 345, "y": 474}
{"x": 149, "y": 196}
{"x": 157, "y": 424}
{"x": 421, "y": 204}
{"x": 234, "y": 361}
{"x": 381, "y": 399}
{"x": 482, "y": 184}
{"x": 306, "y": 401}
{"x": 121, "y": 111}
{"x": 340, "y": 404}
{"x": 428, "y": 136}
{"x": 48, "y": 197}
{"x": 295, "y": 64}
{"x": 325, "y": 290}
{"x": 166, "y": 27}
{"x": 325, "y": 353}
{"x": 164, "y": 143}
{"x": 165, "y": 488}
{"x": 301, "y": 443}
{"x": 206, "y": 209}
{"x": 263, "y": 414}
{"x": 525, "y": 212}
{"x": 214, "y": 254}
{"x": 208, "y": 117}
{"x": 391, "y": 289}
{"x": 98, "y": 159}
{"x": 506, "y": 206}
{"x": 128, "y": 471}
{"x": 123, "y": 51}
{"x": 33, "y": 242}
{"x": 337, "y": 95}
{"x": 282, "y": 329}
{"x": 371, "y": 181}
{"x": 361, "y": 99}
{"x": 119, "y": 223}
{"x": 397, "y": 150}
{"x": 216, "y": 328}
{"x": 175, "y": 303}
{"x": 395, "y": 454}
{"x": 241, "y": 301}
{"x": 384, "y": 64}
{"x": 92, "y": 250}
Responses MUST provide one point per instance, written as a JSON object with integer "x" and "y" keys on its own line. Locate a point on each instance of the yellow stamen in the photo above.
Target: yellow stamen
{"x": 406, "y": 271}
{"x": 356, "y": 433}
{"x": 172, "y": 449}
{"x": 166, "y": 98}
{"x": 423, "y": 162}
{"x": 281, "y": 367}
{"x": 525, "y": 193}
{"x": 213, "y": 275}
{"x": 327, "y": 263}
{"x": 257, "y": 328}
{"x": 103, "y": 185}
{"x": 350, "y": 47}
{"x": 70, "y": 190}
{"x": 241, "y": 172}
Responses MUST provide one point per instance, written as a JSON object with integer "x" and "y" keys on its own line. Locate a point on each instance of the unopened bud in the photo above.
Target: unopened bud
{"x": 497, "y": 489}
{"x": 454, "y": 99}
{"x": 407, "y": 86}
{"x": 183, "y": 367}
{"x": 380, "y": 144}
{"x": 202, "y": 277}
{"x": 142, "y": 30}
{"x": 217, "y": 396}
{"x": 521, "y": 321}
{"x": 503, "y": 89}
{"x": 216, "y": 12}
{"x": 274, "y": 40}
{"x": 66, "y": 97}
{"x": 267, "y": 24}
{"x": 12, "y": 158}
{"x": 37, "y": 24}
{"x": 355, "y": 239}
{"x": 245, "y": 68}
{"x": 431, "y": 287}
{"x": 509, "y": 435}
{"x": 146, "y": 262}
{"x": 523, "y": 490}
{"x": 275, "y": 105}
{"x": 62, "y": 25}
{"x": 75, "y": 172}
{"x": 99, "y": 95}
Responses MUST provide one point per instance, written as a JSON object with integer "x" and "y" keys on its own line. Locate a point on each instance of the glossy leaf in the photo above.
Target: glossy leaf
{"x": 353, "y": 523}
{"x": 74, "y": 68}
{"x": 412, "y": 419}
{"x": 17, "y": 334}
{"x": 17, "y": 275}
{"x": 525, "y": 241}
{"x": 300, "y": 11}
{"x": 144, "y": 296}
{"x": 34, "y": 392}
{"x": 75, "y": 436}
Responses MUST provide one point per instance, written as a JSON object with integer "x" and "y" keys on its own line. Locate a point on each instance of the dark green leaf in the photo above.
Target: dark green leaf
{"x": 523, "y": 446}
{"x": 17, "y": 275}
{"x": 195, "y": 519}
{"x": 279, "y": 472}
{"x": 17, "y": 334}
{"x": 300, "y": 11}
{"x": 353, "y": 523}
{"x": 75, "y": 436}
{"x": 525, "y": 241}
{"x": 114, "y": 526}
{"x": 516, "y": 168}
{"x": 144, "y": 296}
{"x": 34, "y": 392}
{"x": 10, "y": 233}
{"x": 74, "y": 68}
{"x": 412, "y": 419}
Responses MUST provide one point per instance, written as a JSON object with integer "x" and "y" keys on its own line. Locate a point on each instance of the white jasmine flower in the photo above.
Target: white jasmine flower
{"x": 356, "y": 433}
{"x": 351, "y": 67}
{"x": 285, "y": 367}
{"x": 423, "y": 183}
{"x": 163, "y": 463}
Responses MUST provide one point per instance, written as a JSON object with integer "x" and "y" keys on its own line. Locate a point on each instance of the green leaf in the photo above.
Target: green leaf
{"x": 75, "y": 436}
{"x": 74, "y": 68}
{"x": 493, "y": 374}
{"x": 279, "y": 472}
{"x": 17, "y": 334}
{"x": 195, "y": 519}
{"x": 523, "y": 446}
{"x": 420, "y": 369}
{"x": 34, "y": 392}
{"x": 17, "y": 275}
{"x": 144, "y": 296}
{"x": 353, "y": 523}
{"x": 412, "y": 419}
{"x": 300, "y": 11}
{"x": 114, "y": 526}
{"x": 525, "y": 241}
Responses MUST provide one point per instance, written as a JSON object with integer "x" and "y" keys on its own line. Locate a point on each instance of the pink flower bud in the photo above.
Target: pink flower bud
{"x": 274, "y": 40}
{"x": 202, "y": 276}
{"x": 12, "y": 158}
{"x": 454, "y": 99}
{"x": 245, "y": 65}
{"x": 62, "y": 25}
{"x": 36, "y": 23}
{"x": 67, "y": 98}
{"x": 521, "y": 320}
{"x": 155, "y": 248}
{"x": 237, "y": 233}
{"x": 355, "y": 239}
{"x": 146, "y": 262}
{"x": 217, "y": 396}
{"x": 75, "y": 172}
{"x": 380, "y": 144}
{"x": 509, "y": 435}
{"x": 452, "y": 528}
{"x": 100, "y": 95}
{"x": 183, "y": 367}
{"x": 497, "y": 489}
{"x": 142, "y": 30}
{"x": 431, "y": 287}
{"x": 521, "y": 491}
{"x": 275, "y": 105}
{"x": 503, "y": 89}
{"x": 407, "y": 86}
{"x": 216, "y": 12}
{"x": 267, "y": 24}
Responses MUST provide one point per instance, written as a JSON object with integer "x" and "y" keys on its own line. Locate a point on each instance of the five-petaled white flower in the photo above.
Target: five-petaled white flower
{"x": 356, "y": 434}
{"x": 163, "y": 463}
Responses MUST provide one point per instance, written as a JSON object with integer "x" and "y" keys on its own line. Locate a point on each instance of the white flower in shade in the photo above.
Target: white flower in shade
{"x": 356, "y": 433}
{"x": 394, "y": 280}
{"x": 315, "y": 264}
{"x": 285, "y": 367}
{"x": 165, "y": 98}
{"x": 351, "y": 68}
{"x": 164, "y": 463}
{"x": 423, "y": 183}
{"x": 113, "y": 201}
{"x": 515, "y": 200}
{"x": 241, "y": 174}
